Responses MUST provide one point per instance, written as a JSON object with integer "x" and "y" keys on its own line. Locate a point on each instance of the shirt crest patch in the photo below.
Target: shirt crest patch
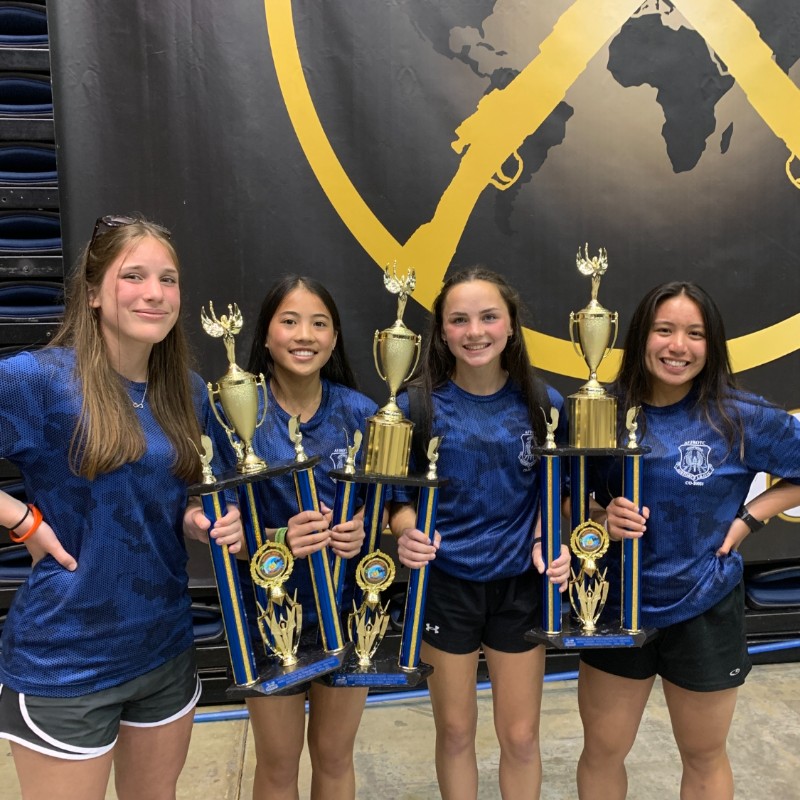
{"x": 526, "y": 456}
{"x": 338, "y": 457}
{"x": 694, "y": 463}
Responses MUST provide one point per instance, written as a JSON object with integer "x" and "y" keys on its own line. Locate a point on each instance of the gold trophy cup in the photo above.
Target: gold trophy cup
{"x": 237, "y": 391}
{"x": 592, "y": 412}
{"x": 397, "y": 350}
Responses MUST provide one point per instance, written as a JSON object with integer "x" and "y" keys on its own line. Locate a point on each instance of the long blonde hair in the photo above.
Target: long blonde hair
{"x": 108, "y": 434}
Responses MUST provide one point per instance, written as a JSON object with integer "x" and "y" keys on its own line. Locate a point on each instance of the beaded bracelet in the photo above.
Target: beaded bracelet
{"x": 37, "y": 521}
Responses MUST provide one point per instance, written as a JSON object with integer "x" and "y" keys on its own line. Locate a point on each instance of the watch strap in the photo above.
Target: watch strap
{"x": 745, "y": 516}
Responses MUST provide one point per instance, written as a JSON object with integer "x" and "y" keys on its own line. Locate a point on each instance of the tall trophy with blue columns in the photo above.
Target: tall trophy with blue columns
{"x": 274, "y": 663}
{"x": 396, "y": 351}
{"x": 592, "y": 434}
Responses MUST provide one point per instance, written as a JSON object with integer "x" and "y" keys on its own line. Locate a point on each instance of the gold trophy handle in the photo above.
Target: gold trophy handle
{"x": 615, "y": 322}
{"x": 212, "y": 393}
{"x": 573, "y": 321}
{"x": 263, "y": 384}
{"x": 375, "y": 357}
{"x": 416, "y": 361}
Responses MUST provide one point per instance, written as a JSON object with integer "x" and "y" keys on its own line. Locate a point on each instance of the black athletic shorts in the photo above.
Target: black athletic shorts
{"x": 704, "y": 654}
{"x": 461, "y": 615}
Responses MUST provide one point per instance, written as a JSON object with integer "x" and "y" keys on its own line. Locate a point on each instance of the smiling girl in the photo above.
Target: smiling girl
{"x": 298, "y": 345}
{"x": 480, "y": 393}
{"x": 707, "y": 442}
{"x": 97, "y": 662}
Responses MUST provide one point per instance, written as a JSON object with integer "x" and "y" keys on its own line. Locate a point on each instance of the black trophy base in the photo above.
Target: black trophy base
{"x": 574, "y": 637}
{"x": 311, "y": 663}
{"x": 382, "y": 673}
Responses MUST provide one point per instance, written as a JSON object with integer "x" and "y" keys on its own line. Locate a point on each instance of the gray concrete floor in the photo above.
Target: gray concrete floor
{"x": 395, "y": 745}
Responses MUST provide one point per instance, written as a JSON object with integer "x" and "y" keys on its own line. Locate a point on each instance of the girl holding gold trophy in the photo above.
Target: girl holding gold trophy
{"x": 479, "y": 392}
{"x": 299, "y": 347}
{"x": 707, "y": 441}
{"x": 97, "y": 663}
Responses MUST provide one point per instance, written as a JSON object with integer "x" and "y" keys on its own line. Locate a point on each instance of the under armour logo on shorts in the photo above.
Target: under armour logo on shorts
{"x": 433, "y": 628}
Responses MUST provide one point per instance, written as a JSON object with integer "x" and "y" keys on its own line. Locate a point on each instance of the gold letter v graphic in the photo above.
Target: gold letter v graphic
{"x": 506, "y": 117}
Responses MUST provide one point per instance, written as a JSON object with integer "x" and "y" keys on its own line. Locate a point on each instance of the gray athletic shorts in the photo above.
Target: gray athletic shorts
{"x": 78, "y": 728}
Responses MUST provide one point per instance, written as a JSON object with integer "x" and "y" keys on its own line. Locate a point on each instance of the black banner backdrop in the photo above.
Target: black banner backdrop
{"x": 331, "y": 138}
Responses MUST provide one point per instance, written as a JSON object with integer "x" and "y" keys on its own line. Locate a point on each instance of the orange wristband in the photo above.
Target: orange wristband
{"x": 37, "y": 521}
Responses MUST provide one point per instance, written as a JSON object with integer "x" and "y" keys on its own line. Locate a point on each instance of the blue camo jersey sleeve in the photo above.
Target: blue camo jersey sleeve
{"x": 772, "y": 439}
{"x": 22, "y": 397}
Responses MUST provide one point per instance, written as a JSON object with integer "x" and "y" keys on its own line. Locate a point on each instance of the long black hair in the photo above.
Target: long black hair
{"x": 438, "y": 363}
{"x": 337, "y": 369}
{"x": 714, "y": 385}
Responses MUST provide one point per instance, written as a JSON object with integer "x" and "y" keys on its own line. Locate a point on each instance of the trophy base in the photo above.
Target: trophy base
{"x": 312, "y": 663}
{"x": 382, "y": 673}
{"x": 574, "y": 637}
{"x": 388, "y": 446}
{"x": 592, "y": 420}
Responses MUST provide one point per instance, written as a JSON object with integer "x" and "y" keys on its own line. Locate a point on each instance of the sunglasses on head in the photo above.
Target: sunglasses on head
{"x": 111, "y": 221}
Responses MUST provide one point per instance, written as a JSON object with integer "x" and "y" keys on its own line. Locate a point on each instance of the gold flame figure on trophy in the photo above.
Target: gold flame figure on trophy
{"x": 281, "y": 622}
{"x": 398, "y": 350}
{"x": 237, "y": 391}
{"x": 367, "y": 624}
{"x": 592, "y": 424}
{"x": 592, "y": 412}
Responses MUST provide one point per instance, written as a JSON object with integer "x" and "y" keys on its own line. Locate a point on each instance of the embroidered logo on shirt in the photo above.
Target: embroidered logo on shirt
{"x": 694, "y": 463}
{"x": 526, "y": 457}
{"x": 338, "y": 457}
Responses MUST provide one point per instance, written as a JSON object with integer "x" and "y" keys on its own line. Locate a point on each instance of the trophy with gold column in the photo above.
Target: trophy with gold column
{"x": 592, "y": 412}
{"x": 368, "y": 622}
{"x": 396, "y": 349}
{"x": 237, "y": 391}
{"x": 279, "y": 620}
{"x": 592, "y": 433}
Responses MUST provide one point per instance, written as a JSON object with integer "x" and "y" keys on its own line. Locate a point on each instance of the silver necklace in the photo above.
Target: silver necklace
{"x": 140, "y": 404}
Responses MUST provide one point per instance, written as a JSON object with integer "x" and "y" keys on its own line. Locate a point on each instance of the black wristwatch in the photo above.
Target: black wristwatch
{"x": 749, "y": 520}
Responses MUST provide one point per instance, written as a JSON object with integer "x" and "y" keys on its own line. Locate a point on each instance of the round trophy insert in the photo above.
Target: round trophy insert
{"x": 271, "y": 565}
{"x": 589, "y": 540}
{"x": 375, "y": 572}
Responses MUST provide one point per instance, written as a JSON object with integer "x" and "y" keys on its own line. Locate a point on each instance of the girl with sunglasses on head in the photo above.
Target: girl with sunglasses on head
{"x": 299, "y": 347}
{"x": 707, "y": 441}
{"x": 97, "y": 663}
{"x": 478, "y": 390}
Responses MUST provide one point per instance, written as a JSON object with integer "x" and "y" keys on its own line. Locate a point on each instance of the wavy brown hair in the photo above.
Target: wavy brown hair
{"x": 108, "y": 434}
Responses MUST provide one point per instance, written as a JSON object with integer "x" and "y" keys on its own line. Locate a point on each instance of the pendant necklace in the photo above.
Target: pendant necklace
{"x": 140, "y": 404}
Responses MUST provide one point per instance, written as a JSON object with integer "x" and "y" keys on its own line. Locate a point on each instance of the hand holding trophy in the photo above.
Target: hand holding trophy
{"x": 396, "y": 351}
